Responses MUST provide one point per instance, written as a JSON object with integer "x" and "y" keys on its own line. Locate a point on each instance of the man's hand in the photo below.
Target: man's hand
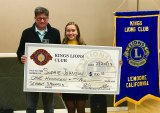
{"x": 23, "y": 59}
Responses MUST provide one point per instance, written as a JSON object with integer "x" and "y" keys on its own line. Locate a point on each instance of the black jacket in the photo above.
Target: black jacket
{"x": 29, "y": 35}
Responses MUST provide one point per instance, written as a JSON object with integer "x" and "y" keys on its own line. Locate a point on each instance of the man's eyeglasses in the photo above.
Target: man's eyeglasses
{"x": 40, "y": 18}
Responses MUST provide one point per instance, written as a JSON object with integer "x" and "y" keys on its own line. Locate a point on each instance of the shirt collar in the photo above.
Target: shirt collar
{"x": 45, "y": 30}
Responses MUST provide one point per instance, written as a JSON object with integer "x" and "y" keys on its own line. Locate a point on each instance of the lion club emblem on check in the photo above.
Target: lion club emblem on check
{"x": 41, "y": 57}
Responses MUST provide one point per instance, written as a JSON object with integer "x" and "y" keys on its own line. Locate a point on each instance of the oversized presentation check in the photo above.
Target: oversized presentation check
{"x": 72, "y": 68}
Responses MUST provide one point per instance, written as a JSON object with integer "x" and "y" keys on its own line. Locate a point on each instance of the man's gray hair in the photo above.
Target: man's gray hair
{"x": 41, "y": 10}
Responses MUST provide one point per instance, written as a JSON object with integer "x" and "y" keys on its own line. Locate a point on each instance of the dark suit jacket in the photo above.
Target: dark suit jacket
{"x": 29, "y": 35}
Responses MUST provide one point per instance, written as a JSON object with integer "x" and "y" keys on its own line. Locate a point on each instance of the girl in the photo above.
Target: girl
{"x": 74, "y": 101}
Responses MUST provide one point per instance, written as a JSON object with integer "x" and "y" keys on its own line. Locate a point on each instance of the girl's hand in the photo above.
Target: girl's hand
{"x": 120, "y": 62}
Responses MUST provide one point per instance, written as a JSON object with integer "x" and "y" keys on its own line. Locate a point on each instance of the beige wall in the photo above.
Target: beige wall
{"x": 94, "y": 17}
{"x": 149, "y": 4}
{"x": 143, "y": 5}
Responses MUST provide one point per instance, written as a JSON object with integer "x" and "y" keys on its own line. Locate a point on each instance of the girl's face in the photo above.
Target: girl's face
{"x": 71, "y": 32}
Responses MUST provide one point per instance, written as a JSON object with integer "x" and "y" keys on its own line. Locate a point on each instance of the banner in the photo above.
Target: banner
{"x": 138, "y": 33}
{"x": 72, "y": 69}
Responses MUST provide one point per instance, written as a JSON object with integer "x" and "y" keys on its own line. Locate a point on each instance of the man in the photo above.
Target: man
{"x": 40, "y": 32}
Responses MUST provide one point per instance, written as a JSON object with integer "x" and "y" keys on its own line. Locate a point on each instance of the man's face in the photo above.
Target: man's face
{"x": 41, "y": 21}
